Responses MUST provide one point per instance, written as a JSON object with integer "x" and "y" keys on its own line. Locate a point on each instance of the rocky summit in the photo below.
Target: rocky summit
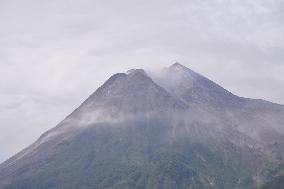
{"x": 172, "y": 130}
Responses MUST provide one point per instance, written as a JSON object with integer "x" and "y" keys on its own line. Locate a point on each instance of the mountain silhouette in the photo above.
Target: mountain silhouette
{"x": 175, "y": 129}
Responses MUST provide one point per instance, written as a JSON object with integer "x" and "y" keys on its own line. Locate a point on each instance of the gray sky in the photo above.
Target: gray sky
{"x": 55, "y": 53}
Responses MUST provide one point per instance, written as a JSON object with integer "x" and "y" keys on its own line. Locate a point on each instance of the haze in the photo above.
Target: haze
{"x": 54, "y": 54}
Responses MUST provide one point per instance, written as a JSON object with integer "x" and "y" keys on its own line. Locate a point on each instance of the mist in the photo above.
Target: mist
{"x": 54, "y": 54}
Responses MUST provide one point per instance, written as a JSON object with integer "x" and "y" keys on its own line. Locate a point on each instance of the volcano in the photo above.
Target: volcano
{"x": 176, "y": 129}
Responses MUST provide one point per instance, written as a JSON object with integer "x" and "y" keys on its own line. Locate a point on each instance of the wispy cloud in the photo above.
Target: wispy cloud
{"x": 53, "y": 54}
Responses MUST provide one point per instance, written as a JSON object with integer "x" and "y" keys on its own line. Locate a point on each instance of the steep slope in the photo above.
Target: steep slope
{"x": 260, "y": 120}
{"x": 137, "y": 155}
{"x": 179, "y": 130}
{"x": 121, "y": 97}
{"x": 193, "y": 87}
{"x": 130, "y": 93}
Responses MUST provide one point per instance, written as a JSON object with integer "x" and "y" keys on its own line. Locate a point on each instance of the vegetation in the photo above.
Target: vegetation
{"x": 140, "y": 156}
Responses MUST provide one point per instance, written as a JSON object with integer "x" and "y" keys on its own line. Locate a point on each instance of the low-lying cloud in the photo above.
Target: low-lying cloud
{"x": 54, "y": 54}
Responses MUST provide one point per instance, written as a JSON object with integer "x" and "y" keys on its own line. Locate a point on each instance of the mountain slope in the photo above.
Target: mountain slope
{"x": 193, "y": 87}
{"x": 178, "y": 130}
{"x": 132, "y": 93}
{"x": 260, "y": 120}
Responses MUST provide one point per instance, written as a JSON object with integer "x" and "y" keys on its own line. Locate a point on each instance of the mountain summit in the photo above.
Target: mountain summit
{"x": 176, "y": 129}
{"x": 193, "y": 87}
{"x": 129, "y": 94}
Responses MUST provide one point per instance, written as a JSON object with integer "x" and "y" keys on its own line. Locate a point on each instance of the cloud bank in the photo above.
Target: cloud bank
{"x": 54, "y": 54}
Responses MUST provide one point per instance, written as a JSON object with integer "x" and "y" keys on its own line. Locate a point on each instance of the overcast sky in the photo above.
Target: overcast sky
{"x": 55, "y": 53}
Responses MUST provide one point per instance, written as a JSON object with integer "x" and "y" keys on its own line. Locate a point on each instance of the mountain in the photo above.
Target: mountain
{"x": 193, "y": 87}
{"x": 175, "y": 129}
{"x": 261, "y": 120}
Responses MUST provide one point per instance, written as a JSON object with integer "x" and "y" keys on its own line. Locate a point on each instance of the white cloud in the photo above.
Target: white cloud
{"x": 53, "y": 54}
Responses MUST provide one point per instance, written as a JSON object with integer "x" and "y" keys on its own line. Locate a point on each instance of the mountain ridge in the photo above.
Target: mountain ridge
{"x": 177, "y": 130}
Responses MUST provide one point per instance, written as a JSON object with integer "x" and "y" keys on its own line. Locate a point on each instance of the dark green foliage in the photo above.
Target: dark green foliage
{"x": 140, "y": 156}
{"x": 276, "y": 183}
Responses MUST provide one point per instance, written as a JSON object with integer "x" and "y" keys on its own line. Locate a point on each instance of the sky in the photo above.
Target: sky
{"x": 55, "y": 53}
